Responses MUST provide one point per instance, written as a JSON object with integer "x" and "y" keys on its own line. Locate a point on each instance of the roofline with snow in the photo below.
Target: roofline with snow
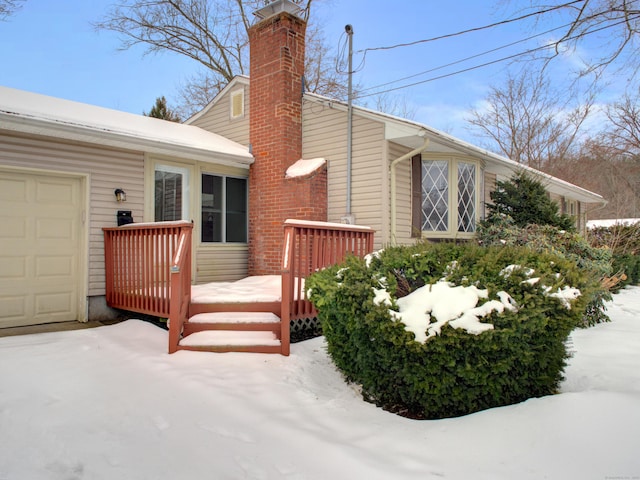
{"x": 156, "y": 138}
{"x": 583, "y": 194}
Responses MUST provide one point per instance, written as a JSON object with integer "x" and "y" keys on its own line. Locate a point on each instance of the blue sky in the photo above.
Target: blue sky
{"x": 50, "y": 47}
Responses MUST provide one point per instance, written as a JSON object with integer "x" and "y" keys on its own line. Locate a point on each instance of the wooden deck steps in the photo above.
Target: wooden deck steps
{"x": 148, "y": 269}
{"x": 232, "y": 341}
{"x": 228, "y": 331}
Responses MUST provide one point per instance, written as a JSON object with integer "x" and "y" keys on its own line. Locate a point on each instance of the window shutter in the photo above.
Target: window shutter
{"x": 416, "y": 196}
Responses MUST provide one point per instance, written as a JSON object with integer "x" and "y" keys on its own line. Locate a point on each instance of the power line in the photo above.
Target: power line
{"x": 475, "y": 67}
{"x": 470, "y": 30}
{"x": 462, "y": 60}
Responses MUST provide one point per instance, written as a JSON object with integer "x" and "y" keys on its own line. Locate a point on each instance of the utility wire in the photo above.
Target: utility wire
{"x": 462, "y": 60}
{"x": 476, "y": 29}
{"x": 476, "y": 55}
{"x": 526, "y": 52}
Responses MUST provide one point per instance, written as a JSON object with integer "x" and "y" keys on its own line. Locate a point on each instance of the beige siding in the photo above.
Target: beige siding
{"x": 490, "y": 180}
{"x": 219, "y": 263}
{"x": 403, "y": 225}
{"x": 107, "y": 169}
{"x": 218, "y": 118}
{"x": 324, "y": 135}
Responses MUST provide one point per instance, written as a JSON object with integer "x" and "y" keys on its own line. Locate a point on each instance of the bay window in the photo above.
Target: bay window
{"x": 447, "y": 197}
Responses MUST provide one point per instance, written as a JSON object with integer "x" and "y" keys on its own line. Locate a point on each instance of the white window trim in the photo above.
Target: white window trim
{"x": 153, "y": 163}
{"x": 452, "y": 231}
{"x": 224, "y": 208}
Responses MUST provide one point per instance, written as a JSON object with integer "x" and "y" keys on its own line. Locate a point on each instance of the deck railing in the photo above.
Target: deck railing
{"x": 309, "y": 247}
{"x": 138, "y": 258}
{"x": 180, "y": 289}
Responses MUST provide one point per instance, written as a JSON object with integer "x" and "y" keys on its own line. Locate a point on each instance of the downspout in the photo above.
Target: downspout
{"x": 393, "y": 166}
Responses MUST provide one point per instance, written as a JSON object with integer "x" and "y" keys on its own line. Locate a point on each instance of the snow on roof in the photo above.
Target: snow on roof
{"x": 304, "y": 167}
{"x": 556, "y": 184}
{"x": 40, "y": 114}
{"x": 611, "y": 222}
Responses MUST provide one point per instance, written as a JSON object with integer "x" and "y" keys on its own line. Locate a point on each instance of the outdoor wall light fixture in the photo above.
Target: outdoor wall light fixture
{"x": 120, "y": 194}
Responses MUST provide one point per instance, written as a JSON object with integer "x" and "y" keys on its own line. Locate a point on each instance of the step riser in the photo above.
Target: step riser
{"x": 190, "y": 328}
{"x": 196, "y": 308}
{"x": 234, "y": 348}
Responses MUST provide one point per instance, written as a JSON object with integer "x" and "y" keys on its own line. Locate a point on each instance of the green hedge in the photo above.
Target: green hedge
{"x": 594, "y": 261}
{"x": 453, "y": 373}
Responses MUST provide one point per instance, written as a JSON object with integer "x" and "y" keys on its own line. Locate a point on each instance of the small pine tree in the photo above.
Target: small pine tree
{"x": 525, "y": 200}
{"x": 160, "y": 110}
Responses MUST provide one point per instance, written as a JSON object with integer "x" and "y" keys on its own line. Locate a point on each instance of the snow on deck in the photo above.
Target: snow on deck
{"x": 263, "y": 288}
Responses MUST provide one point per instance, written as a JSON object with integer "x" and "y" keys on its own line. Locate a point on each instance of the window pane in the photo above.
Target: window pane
{"x": 466, "y": 197}
{"x": 168, "y": 196}
{"x": 236, "y": 210}
{"x": 435, "y": 195}
{"x": 212, "y": 208}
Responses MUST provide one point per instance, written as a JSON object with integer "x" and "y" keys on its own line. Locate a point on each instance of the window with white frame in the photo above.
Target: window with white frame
{"x": 224, "y": 209}
{"x": 447, "y": 192}
{"x": 171, "y": 193}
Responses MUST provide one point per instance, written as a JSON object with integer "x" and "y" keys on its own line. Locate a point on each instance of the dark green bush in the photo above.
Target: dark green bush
{"x": 525, "y": 200}
{"x": 594, "y": 261}
{"x": 455, "y": 372}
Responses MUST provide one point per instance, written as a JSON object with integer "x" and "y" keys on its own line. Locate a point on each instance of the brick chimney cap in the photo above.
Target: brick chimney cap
{"x": 277, "y": 7}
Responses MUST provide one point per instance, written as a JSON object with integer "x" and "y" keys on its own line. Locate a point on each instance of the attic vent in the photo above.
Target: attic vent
{"x": 237, "y": 104}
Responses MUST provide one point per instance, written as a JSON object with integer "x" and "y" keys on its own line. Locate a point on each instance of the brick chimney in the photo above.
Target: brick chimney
{"x": 277, "y": 46}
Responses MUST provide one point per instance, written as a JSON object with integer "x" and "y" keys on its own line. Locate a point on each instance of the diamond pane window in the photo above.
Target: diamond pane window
{"x": 466, "y": 197}
{"x": 435, "y": 195}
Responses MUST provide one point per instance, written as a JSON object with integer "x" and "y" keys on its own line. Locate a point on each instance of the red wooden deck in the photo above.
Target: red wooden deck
{"x": 148, "y": 270}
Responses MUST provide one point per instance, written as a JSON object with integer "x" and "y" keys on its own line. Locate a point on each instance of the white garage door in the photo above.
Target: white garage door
{"x": 40, "y": 243}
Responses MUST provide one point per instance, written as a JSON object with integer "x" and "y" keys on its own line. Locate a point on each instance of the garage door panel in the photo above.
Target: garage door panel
{"x": 54, "y": 266}
{"x": 55, "y": 193}
{"x": 13, "y": 267}
{"x": 13, "y": 190}
{"x": 59, "y": 305}
{"x": 55, "y": 228}
{"x": 40, "y": 241}
{"x": 14, "y": 310}
{"x": 14, "y": 227}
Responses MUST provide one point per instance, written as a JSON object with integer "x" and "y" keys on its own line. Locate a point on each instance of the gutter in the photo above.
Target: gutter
{"x": 394, "y": 187}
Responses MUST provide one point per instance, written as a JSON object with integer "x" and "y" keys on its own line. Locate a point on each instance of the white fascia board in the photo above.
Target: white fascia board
{"x": 74, "y": 132}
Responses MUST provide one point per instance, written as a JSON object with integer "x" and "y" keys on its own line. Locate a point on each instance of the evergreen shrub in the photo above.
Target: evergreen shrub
{"x": 455, "y": 372}
{"x": 594, "y": 261}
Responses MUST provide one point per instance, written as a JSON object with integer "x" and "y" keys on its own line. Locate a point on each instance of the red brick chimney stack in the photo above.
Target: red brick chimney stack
{"x": 277, "y": 48}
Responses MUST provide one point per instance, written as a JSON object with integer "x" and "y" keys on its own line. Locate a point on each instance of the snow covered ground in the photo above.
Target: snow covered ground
{"x": 109, "y": 403}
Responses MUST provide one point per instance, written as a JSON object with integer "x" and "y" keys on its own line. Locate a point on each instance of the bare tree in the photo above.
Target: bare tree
{"x": 624, "y": 134}
{"x": 610, "y": 26}
{"x": 9, "y": 7}
{"x": 213, "y": 33}
{"x": 529, "y": 122}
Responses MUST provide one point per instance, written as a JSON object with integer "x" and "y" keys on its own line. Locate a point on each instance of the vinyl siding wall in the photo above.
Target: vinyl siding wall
{"x": 489, "y": 186}
{"x": 403, "y": 196}
{"x": 324, "y": 133}
{"x": 218, "y": 118}
{"x": 107, "y": 169}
